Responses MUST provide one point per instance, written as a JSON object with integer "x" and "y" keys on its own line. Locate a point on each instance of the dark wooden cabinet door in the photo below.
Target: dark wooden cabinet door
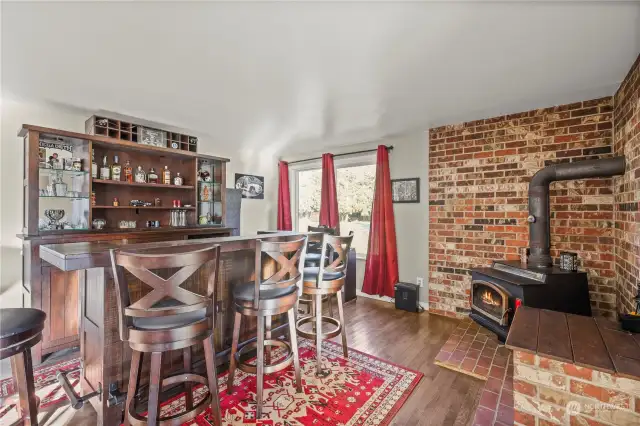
{"x": 60, "y": 303}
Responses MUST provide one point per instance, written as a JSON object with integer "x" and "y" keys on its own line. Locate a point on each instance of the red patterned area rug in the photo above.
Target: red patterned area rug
{"x": 47, "y": 388}
{"x": 361, "y": 390}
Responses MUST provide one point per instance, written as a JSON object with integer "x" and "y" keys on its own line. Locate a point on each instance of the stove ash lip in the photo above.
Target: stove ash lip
{"x": 539, "y": 205}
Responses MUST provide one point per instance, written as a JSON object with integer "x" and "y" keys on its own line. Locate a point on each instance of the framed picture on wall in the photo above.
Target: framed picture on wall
{"x": 405, "y": 190}
{"x": 252, "y": 186}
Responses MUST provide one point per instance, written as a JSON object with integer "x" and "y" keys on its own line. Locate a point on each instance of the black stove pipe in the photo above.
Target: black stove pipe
{"x": 539, "y": 229}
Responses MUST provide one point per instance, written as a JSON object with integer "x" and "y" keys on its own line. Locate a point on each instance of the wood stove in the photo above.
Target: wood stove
{"x": 490, "y": 300}
{"x": 496, "y": 292}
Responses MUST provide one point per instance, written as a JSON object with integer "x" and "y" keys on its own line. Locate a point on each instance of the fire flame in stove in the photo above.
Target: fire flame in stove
{"x": 487, "y": 297}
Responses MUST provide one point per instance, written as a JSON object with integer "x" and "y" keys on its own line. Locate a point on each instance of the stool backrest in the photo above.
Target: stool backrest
{"x": 289, "y": 262}
{"x": 324, "y": 229}
{"x": 335, "y": 248}
{"x": 141, "y": 263}
{"x": 315, "y": 242}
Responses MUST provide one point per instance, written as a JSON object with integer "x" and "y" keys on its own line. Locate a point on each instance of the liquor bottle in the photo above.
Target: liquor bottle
{"x": 178, "y": 180}
{"x": 166, "y": 176}
{"x": 141, "y": 176}
{"x": 116, "y": 169}
{"x": 152, "y": 176}
{"x": 94, "y": 165}
{"x": 128, "y": 172}
{"x": 105, "y": 171}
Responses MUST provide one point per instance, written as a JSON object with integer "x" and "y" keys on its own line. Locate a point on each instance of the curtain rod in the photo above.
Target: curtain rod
{"x": 389, "y": 148}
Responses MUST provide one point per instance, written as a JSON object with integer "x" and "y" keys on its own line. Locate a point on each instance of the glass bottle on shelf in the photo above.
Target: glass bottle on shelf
{"x": 178, "y": 180}
{"x": 152, "y": 176}
{"x": 166, "y": 176}
{"x": 140, "y": 176}
{"x": 116, "y": 169}
{"x": 128, "y": 172}
{"x": 94, "y": 165}
{"x": 105, "y": 171}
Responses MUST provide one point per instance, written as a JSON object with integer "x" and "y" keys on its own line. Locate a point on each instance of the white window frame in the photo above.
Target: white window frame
{"x": 354, "y": 160}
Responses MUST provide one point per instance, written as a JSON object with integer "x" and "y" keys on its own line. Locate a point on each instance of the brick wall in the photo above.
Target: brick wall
{"x": 549, "y": 392}
{"x": 478, "y": 180}
{"x": 627, "y": 188}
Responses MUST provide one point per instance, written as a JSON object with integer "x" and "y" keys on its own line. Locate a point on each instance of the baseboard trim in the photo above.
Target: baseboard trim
{"x": 359, "y": 293}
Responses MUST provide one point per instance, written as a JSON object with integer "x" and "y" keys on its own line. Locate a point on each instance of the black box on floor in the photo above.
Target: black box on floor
{"x": 407, "y": 297}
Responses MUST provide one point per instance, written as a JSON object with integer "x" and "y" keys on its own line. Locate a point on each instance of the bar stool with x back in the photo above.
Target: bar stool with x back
{"x": 314, "y": 247}
{"x": 324, "y": 280}
{"x": 264, "y": 298}
{"x": 165, "y": 319}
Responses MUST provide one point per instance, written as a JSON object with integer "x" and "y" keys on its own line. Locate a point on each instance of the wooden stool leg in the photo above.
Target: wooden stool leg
{"x": 154, "y": 388}
{"x": 330, "y": 302}
{"x": 312, "y": 309}
{"x": 345, "y": 349}
{"x": 318, "y": 330}
{"x": 260, "y": 367}
{"x": 212, "y": 379}
{"x": 294, "y": 347}
{"x": 22, "y": 368}
{"x": 234, "y": 349}
{"x": 134, "y": 377}
{"x": 267, "y": 355}
{"x": 186, "y": 363}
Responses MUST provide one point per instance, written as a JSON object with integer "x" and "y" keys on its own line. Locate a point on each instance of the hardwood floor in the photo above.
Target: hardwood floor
{"x": 443, "y": 397}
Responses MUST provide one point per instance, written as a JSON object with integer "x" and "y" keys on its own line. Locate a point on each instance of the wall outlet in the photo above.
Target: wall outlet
{"x": 420, "y": 281}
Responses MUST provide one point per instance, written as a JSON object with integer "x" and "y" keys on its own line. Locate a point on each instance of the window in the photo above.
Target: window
{"x": 355, "y": 182}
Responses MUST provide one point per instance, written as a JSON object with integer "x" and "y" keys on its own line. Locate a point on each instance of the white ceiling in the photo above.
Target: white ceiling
{"x": 300, "y": 76}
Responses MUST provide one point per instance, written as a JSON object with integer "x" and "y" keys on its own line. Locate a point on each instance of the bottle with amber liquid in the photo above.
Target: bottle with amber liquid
{"x": 152, "y": 176}
{"x": 128, "y": 172}
{"x": 166, "y": 176}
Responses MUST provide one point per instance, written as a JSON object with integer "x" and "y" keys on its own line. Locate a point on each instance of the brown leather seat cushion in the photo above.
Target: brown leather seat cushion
{"x": 14, "y": 321}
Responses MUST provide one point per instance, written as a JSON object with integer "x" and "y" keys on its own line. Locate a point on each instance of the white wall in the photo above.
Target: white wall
{"x": 408, "y": 159}
{"x": 256, "y": 214}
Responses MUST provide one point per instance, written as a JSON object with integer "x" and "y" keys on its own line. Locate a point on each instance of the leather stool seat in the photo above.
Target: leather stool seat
{"x": 169, "y": 321}
{"x": 246, "y": 292}
{"x": 20, "y": 320}
{"x": 20, "y": 330}
{"x": 311, "y": 274}
{"x": 313, "y": 259}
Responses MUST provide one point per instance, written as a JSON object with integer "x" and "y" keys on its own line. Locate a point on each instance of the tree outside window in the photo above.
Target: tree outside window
{"x": 354, "y": 187}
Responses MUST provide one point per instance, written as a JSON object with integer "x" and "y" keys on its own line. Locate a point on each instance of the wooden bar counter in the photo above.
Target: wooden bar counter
{"x": 106, "y": 359}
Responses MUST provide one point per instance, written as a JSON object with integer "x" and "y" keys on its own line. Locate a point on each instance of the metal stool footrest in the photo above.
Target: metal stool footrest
{"x": 137, "y": 420}
{"x": 270, "y": 368}
{"x": 311, "y": 301}
{"x": 312, "y": 334}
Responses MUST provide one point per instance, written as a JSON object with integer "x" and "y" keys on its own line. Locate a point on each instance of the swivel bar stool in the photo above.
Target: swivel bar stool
{"x": 20, "y": 330}
{"x": 167, "y": 318}
{"x": 326, "y": 280}
{"x": 314, "y": 247}
{"x": 263, "y": 298}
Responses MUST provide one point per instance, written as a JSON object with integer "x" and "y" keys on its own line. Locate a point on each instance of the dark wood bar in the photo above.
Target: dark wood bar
{"x": 61, "y": 178}
{"x": 106, "y": 359}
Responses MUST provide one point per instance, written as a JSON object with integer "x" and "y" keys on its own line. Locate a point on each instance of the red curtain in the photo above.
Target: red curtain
{"x": 328, "y": 196}
{"x": 381, "y": 268}
{"x": 284, "y": 198}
